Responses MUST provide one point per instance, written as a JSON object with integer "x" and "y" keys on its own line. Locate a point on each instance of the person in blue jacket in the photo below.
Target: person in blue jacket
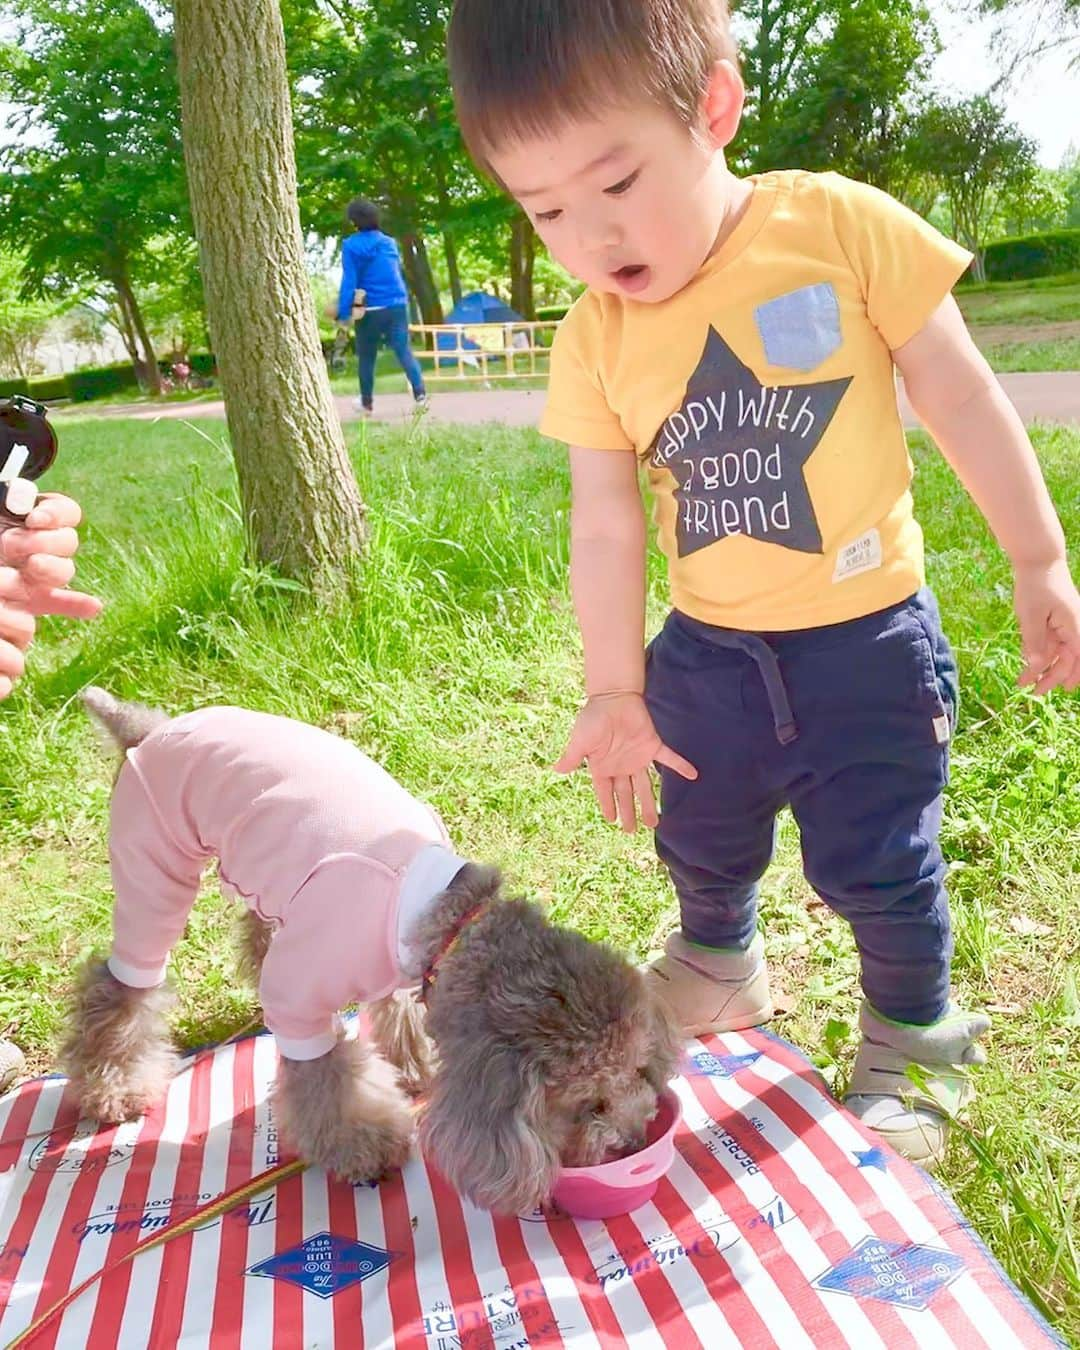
{"x": 370, "y": 262}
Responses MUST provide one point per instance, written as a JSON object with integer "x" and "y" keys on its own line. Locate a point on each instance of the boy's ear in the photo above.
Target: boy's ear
{"x": 723, "y": 104}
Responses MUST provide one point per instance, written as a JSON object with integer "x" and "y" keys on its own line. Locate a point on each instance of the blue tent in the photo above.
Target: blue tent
{"x": 479, "y": 307}
{"x": 470, "y": 311}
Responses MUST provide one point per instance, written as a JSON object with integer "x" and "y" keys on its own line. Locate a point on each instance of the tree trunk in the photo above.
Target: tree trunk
{"x": 13, "y": 353}
{"x": 297, "y": 488}
{"x": 417, "y": 264}
{"x": 765, "y": 84}
{"x": 130, "y": 305}
{"x": 452, "y": 266}
{"x": 449, "y": 246}
{"x": 126, "y": 331}
{"x": 965, "y": 230}
{"x": 522, "y": 256}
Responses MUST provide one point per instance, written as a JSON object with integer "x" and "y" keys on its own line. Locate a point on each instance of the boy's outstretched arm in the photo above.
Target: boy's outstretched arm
{"x": 613, "y": 732}
{"x": 957, "y": 397}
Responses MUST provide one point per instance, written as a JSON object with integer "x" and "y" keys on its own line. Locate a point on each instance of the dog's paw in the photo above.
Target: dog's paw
{"x": 114, "y": 1102}
{"x": 113, "y": 1093}
{"x": 344, "y": 1112}
{"x": 367, "y": 1152}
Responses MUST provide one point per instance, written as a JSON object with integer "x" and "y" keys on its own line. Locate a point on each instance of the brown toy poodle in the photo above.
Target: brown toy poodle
{"x": 532, "y": 1047}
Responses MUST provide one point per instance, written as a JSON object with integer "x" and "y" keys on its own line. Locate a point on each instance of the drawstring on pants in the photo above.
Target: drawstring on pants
{"x": 763, "y": 656}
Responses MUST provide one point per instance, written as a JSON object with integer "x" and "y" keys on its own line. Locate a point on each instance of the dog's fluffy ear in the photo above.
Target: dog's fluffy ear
{"x": 483, "y": 1128}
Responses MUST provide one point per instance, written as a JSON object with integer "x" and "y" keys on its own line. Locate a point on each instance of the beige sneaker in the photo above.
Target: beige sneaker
{"x": 707, "y": 990}
{"x": 12, "y": 1064}
{"x": 914, "y": 1120}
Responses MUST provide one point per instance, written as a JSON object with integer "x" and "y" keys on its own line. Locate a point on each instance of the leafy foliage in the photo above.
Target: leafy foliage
{"x": 976, "y": 156}
{"x": 833, "y": 84}
{"x": 95, "y": 170}
{"x": 23, "y": 319}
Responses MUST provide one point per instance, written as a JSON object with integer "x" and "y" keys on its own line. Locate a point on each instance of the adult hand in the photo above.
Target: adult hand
{"x": 35, "y": 569}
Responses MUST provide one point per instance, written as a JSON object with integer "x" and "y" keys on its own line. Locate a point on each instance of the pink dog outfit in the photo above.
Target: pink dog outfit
{"x": 309, "y": 832}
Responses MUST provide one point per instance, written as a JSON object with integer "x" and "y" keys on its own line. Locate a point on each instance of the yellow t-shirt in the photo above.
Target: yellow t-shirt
{"x": 762, "y": 401}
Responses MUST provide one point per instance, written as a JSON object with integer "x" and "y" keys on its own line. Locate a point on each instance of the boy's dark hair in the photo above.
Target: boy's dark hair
{"x": 519, "y": 66}
{"x": 363, "y": 214}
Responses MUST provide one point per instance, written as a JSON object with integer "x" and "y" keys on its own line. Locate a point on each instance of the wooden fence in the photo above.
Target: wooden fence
{"x": 484, "y": 351}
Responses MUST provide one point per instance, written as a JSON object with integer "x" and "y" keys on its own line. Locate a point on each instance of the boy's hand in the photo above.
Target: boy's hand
{"x": 1048, "y": 611}
{"x": 615, "y": 735}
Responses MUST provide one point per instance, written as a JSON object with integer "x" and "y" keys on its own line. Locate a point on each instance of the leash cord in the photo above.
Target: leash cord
{"x": 202, "y": 1215}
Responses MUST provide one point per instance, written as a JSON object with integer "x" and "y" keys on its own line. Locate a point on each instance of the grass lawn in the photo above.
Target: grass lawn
{"x": 1057, "y": 354}
{"x": 1043, "y": 299}
{"x": 1026, "y": 325}
{"x": 456, "y": 664}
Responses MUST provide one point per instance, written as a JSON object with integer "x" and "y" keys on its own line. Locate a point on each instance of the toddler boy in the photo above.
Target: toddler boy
{"x": 737, "y": 340}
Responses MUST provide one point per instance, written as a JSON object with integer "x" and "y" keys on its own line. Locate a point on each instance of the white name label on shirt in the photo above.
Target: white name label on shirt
{"x": 861, "y": 556}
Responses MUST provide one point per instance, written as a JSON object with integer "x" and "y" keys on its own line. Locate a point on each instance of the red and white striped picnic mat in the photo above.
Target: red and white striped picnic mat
{"x": 782, "y": 1223}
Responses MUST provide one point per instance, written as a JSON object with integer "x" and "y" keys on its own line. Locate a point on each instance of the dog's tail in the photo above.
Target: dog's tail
{"x": 126, "y": 723}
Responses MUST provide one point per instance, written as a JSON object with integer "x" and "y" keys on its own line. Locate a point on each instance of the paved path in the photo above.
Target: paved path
{"x": 1048, "y": 396}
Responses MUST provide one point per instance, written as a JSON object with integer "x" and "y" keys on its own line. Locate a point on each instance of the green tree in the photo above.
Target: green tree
{"x": 94, "y": 168}
{"x": 775, "y": 37}
{"x": 1070, "y": 175}
{"x": 170, "y": 291}
{"x": 1038, "y": 201}
{"x": 374, "y": 117}
{"x": 23, "y": 321}
{"x": 851, "y": 106}
{"x": 836, "y": 84}
{"x": 978, "y": 158}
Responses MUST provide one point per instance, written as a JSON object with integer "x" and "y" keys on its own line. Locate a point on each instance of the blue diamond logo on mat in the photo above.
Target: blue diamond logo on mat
{"x": 325, "y": 1264}
{"x": 903, "y": 1273}
{"x": 723, "y": 1066}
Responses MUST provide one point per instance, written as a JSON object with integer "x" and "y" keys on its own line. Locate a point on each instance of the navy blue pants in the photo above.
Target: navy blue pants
{"x": 390, "y": 325}
{"x": 849, "y": 726}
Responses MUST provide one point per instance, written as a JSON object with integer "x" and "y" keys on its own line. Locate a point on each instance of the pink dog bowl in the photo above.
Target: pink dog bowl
{"x": 618, "y": 1187}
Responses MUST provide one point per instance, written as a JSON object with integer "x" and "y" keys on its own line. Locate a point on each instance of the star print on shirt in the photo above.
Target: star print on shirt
{"x": 738, "y": 450}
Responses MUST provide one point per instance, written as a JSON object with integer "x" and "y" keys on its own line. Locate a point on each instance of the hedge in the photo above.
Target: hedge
{"x": 551, "y": 312}
{"x": 96, "y": 381}
{"x": 1033, "y": 255}
{"x": 100, "y": 381}
{"x": 51, "y": 388}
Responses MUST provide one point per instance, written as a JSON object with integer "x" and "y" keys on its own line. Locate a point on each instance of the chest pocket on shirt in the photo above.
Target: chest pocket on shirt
{"x": 802, "y": 328}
